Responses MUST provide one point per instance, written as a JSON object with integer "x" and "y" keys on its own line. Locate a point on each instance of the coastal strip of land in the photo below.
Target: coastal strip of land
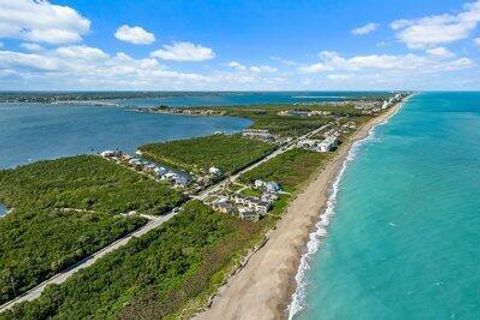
{"x": 263, "y": 288}
{"x": 251, "y": 176}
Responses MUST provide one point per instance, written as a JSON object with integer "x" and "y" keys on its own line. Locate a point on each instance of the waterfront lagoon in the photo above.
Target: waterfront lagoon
{"x": 404, "y": 239}
{"x": 32, "y": 132}
{"x": 245, "y": 98}
{"x": 3, "y": 210}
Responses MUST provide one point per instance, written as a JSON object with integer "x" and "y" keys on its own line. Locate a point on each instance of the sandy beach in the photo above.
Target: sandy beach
{"x": 262, "y": 289}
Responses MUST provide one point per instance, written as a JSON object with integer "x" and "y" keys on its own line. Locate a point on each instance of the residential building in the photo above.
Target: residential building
{"x": 248, "y": 214}
{"x": 272, "y": 187}
{"x": 215, "y": 171}
{"x": 109, "y": 154}
{"x": 259, "y": 183}
{"x": 262, "y": 207}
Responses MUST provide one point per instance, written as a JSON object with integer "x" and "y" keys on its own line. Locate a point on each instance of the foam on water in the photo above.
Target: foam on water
{"x": 320, "y": 231}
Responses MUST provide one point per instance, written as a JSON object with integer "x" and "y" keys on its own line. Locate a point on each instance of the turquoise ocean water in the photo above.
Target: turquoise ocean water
{"x": 404, "y": 239}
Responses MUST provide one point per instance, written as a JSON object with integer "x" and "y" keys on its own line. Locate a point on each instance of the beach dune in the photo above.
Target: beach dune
{"x": 262, "y": 289}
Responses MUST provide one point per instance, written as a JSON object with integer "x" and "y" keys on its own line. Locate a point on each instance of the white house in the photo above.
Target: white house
{"x": 181, "y": 180}
{"x": 171, "y": 175}
{"x": 308, "y": 143}
{"x": 135, "y": 162}
{"x": 215, "y": 171}
{"x": 239, "y": 200}
{"x": 269, "y": 197}
{"x": 223, "y": 205}
{"x": 262, "y": 207}
{"x": 108, "y": 154}
{"x": 259, "y": 183}
{"x": 248, "y": 214}
{"x": 272, "y": 186}
{"x": 251, "y": 202}
{"x": 159, "y": 171}
{"x": 328, "y": 144}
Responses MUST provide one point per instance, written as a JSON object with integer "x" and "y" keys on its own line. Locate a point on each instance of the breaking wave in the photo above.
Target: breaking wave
{"x": 320, "y": 232}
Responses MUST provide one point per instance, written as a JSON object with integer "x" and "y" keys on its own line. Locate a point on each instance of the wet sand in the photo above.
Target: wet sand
{"x": 262, "y": 289}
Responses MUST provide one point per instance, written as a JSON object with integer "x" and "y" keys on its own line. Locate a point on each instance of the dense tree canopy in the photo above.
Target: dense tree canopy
{"x": 156, "y": 274}
{"x": 228, "y": 153}
{"x": 84, "y": 182}
{"x": 66, "y": 209}
{"x": 289, "y": 169}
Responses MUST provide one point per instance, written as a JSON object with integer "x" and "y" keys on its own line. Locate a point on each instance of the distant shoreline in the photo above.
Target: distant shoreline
{"x": 263, "y": 289}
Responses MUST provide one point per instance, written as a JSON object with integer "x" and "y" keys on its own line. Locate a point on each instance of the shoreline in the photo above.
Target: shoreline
{"x": 263, "y": 290}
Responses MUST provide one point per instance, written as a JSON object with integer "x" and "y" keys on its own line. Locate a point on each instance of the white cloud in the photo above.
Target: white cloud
{"x": 262, "y": 69}
{"x": 10, "y": 59}
{"x": 440, "y": 52}
{"x": 332, "y": 61}
{"x": 477, "y": 41}
{"x": 87, "y": 67}
{"x": 41, "y": 21}
{"x": 438, "y": 29}
{"x": 32, "y": 46}
{"x": 135, "y": 35}
{"x": 286, "y": 62}
{"x": 365, "y": 29}
{"x": 255, "y": 69}
{"x": 184, "y": 51}
{"x": 237, "y": 65}
{"x": 81, "y": 53}
{"x": 339, "y": 76}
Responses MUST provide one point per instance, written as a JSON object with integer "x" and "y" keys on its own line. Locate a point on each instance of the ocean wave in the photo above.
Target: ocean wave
{"x": 320, "y": 232}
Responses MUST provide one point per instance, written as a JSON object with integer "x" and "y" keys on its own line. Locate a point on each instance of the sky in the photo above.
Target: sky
{"x": 240, "y": 45}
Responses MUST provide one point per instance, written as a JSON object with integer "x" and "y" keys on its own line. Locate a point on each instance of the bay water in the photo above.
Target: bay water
{"x": 246, "y": 98}
{"x": 31, "y": 132}
{"x": 404, "y": 240}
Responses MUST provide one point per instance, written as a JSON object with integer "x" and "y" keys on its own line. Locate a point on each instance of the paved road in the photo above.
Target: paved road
{"x": 153, "y": 223}
{"x": 34, "y": 293}
{"x": 204, "y": 194}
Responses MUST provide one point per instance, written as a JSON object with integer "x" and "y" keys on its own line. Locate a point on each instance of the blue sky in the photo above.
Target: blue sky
{"x": 239, "y": 45}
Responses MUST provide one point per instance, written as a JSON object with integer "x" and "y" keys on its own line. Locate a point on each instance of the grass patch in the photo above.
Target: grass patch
{"x": 250, "y": 192}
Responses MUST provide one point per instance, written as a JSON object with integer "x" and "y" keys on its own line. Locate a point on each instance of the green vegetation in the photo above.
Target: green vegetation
{"x": 84, "y": 182}
{"x": 65, "y": 210}
{"x": 177, "y": 265}
{"x": 228, "y": 153}
{"x": 289, "y": 169}
{"x": 266, "y": 117}
{"x": 37, "y": 243}
{"x": 250, "y": 192}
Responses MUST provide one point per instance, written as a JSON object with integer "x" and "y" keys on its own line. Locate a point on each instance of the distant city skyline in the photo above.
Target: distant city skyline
{"x": 239, "y": 45}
